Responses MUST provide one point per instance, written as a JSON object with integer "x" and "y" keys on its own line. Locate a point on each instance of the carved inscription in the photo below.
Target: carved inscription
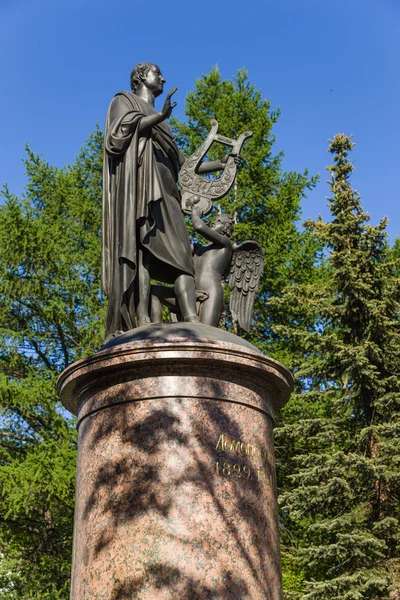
{"x": 227, "y": 445}
{"x": 238, "y": 470}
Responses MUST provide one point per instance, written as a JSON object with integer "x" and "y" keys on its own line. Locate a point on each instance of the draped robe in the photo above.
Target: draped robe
{"x": 141, "y": 206}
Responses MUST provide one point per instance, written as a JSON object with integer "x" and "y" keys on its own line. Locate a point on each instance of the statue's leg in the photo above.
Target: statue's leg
{"x": 211, "y": 309}
{"x": 143, "y": 288}
{"x": 155, "y": 309}
{"x": 186, "y": 296}
{"x": 165, "y": 295}
{"x": 161, "y": 295}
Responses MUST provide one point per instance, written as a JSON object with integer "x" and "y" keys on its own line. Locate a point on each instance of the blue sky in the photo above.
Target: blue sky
{"x": 331, "y": 66}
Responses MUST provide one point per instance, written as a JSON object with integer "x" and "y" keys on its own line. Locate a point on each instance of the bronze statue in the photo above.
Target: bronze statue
{"x": 144, "y": 233}
{"x": 241, "y": 264}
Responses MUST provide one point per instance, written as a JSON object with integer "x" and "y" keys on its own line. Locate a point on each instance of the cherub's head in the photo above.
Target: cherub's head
{"x": 224, "y": 224}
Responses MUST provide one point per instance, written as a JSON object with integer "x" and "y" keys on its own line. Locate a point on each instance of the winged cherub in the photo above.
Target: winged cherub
{"x": 241, "y": 264}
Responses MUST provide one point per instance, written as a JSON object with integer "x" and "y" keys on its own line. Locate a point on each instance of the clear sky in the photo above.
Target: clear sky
{"x": 330, "y": 65}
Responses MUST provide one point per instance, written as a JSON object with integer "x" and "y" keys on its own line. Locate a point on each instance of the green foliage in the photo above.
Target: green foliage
{"x": 338, "y": 443}
{"x": 266, "y": 200}
{"x": 328, "y": 308}
{"x": 292, "y": 576}
{"x": 51, "y": 313}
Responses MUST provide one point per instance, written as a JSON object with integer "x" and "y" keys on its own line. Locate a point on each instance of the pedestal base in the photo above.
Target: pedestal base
{"x": 175, "y": 484}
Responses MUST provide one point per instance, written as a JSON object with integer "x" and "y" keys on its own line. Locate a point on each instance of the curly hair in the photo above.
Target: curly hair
{"x": 228, "y": 221}
{"x": 138, "y": 74}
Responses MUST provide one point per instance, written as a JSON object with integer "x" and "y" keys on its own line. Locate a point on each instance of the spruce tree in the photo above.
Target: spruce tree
{"x": 338, "y": 444}
{"x": 51, "y": 313}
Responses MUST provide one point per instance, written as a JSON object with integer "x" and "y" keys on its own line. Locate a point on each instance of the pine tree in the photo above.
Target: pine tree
{"x": 338, "y": 446}
{"x": 51, "y": 313}
{"x": 265, "y": 200}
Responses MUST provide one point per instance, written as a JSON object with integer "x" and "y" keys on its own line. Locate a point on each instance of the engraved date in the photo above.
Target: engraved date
{"x": 236, "y": 471}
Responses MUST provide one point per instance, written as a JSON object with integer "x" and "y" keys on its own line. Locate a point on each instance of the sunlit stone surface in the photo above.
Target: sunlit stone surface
{"x": 175, "y": 484}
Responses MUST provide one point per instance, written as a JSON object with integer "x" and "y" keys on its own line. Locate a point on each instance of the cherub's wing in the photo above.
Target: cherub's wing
{"x": 247, "y": 268}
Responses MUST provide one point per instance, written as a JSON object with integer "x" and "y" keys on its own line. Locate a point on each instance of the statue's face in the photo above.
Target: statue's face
{"x": 222, "y": 227}
{"x": 154, "y": 80}
{"x": 218, "y": 226}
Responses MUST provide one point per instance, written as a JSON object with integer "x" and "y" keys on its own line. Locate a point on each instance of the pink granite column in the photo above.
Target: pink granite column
{"x": 175, "y": 484}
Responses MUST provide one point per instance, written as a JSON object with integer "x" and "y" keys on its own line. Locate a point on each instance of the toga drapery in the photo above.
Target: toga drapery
{"x": 141, "y": 205}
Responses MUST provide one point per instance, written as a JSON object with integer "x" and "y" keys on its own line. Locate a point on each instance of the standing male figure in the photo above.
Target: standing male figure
{"x": 144, "y": 233}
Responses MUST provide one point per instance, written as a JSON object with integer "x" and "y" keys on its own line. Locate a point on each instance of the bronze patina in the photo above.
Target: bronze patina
{"x": 144, "y": 232}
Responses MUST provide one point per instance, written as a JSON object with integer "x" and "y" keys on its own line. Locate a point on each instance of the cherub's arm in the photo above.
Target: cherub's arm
{"x": 211, "y": 166}
{"x": 206, "y": 167}
{"x": 206, "y": 231}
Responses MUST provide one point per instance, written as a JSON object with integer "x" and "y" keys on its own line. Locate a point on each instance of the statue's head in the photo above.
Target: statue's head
{"x": 224, "y": 224}
{"x": 147, "y": 74}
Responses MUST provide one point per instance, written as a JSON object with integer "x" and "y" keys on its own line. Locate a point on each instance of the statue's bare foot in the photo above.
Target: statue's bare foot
{"x": 192, "y": 319}
{"x": 144, "y": 321}
{"x": 112, "y": 336}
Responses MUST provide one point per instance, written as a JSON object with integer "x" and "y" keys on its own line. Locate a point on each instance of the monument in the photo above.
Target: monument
{"x": 176, "y": 474}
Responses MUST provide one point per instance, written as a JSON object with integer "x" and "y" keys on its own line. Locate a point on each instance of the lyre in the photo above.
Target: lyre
{"x": 202, "y": 190}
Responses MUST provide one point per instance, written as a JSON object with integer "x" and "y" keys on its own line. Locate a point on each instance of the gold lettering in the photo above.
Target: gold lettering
{"x": 220, "y": 442}
{"x": 228, "y": 445}
{"x": 235, "y": 446}
{"x": 227, "y": 469}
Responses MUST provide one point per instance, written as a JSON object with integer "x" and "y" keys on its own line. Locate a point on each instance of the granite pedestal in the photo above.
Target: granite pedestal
{"x": 176, "y": 478}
